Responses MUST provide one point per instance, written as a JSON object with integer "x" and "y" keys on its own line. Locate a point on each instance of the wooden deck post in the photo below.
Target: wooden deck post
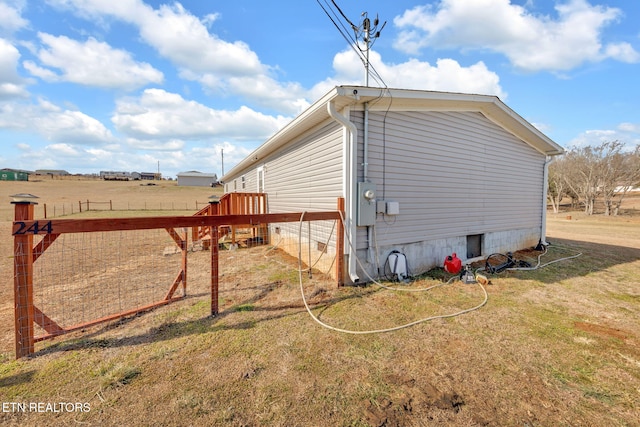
{"x": 23, "y": 280}
{"x": 185, "y": 251}
{"x": 340, "y": 244}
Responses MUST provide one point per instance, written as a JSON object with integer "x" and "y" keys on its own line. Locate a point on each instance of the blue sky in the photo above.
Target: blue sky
{"x": 90, "y": 85}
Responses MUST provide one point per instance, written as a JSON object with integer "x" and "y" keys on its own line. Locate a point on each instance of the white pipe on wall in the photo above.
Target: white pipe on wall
{"x": 350, "y": 156}
{"x": 545, "y": 184}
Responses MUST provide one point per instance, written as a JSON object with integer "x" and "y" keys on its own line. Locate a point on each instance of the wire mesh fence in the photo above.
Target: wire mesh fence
{"x": 88, "y": 276}
{"x": 70, "y": 275}
{"x": 58, "y": 210}
{"x": 252, "y": 266}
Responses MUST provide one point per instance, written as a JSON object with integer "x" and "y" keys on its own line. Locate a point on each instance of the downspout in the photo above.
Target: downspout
{"x": 349, "y": 182}
{"x": 543, "y": 228}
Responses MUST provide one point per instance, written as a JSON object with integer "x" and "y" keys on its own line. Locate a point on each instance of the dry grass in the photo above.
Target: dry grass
{"x": 555, "y": 346}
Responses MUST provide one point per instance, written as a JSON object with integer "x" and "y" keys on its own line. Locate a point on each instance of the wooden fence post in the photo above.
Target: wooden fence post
{"x": 214, "y": 270}
{"x": 23, "y": 280}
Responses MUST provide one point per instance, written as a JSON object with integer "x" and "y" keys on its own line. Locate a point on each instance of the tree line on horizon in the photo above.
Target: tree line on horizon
{"x": 590, "y": 175}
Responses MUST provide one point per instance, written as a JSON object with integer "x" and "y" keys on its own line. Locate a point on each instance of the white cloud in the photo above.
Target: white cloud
{"x": 531, "y": 42}
{"x": 63, "y": 150}
{"x": 90, "y": 63}
{"x": 73, "y": 127}
{"x": 622, "y": 52}
{"x": 164, "y": 115}
{"x": 627, "y": 133}
{"x": 159, "y": 144}
{"x": 11, "y": 84}
{"x": 200, "y": 55}
{"x": 446, "y": 75}
{"x": 184, "y": 39}
{"x": 630, "y": 127}
{"x": 54, "y": 124}
{"x": 267, "y": 92}
{"x": 233, "y": 154}
{"x": 176, "y": 34}
{"x": 12, "y": 19}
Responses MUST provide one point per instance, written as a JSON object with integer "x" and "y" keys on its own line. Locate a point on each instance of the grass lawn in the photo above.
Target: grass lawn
{"x": 555, "y": 346}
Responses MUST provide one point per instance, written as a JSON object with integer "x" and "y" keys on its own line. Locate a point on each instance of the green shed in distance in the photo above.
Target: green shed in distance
{"x": 13, "y": 175}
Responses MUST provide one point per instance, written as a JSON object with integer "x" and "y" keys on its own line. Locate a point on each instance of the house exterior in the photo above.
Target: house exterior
{"x": 197, "y": 179}
{"x": 422, "y": 173}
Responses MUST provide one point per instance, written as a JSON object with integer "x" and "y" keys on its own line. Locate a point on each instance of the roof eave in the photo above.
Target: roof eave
{"x": 317, "y": 110}
{"x": 491, "y": 106}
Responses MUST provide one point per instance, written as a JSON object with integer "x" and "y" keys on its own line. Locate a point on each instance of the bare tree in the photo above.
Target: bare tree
{"x": 628, "y": 177}
{"x": 582, "y": 174}
{"x": 604, "y": 172}
{"x": 609, "y": 169}
{"x": 557, "y": 185}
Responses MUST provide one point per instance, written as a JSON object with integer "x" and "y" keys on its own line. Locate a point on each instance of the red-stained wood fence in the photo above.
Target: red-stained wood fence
{"x": 26, "y": 230}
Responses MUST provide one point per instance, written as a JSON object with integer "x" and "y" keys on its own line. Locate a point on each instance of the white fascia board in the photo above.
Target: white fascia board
{"x": 315, "y": 113}
{"x": 380, "y": 99}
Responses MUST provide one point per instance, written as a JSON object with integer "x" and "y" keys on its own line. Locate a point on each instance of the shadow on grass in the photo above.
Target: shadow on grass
{"x": 594, "y": 257}
{"x": 176, "y": 329}
{"x": 13, "y": 380}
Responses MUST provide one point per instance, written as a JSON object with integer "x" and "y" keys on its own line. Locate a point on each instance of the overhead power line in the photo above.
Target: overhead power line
{"x": 363, "y": 38}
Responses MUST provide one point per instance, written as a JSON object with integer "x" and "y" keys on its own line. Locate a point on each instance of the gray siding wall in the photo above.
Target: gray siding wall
{"x": 454, "y": 174}
{"x": 304, "y": 176}
{"x": 307, "y": 175}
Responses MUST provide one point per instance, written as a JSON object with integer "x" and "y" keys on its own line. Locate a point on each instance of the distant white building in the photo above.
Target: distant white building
{"x": 197, "y": 179}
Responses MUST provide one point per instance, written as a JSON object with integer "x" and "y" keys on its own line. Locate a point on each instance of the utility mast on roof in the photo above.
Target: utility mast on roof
{"x": 370, "y": 35}
{"x": 364, "y": 36}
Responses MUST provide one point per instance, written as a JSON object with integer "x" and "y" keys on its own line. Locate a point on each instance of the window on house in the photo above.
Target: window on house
{"x": 261, "y": 179}
{"x": 242, "y": 179}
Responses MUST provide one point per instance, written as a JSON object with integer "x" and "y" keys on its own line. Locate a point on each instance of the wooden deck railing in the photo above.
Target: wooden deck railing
{"x": 235, "y": 204}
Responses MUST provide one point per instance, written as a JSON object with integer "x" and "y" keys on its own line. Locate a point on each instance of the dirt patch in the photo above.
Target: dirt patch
{"x": 409, "y": 398}
{"x": 603, "y": 331}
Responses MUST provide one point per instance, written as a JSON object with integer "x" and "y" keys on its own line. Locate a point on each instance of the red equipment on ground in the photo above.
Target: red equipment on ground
{"x": 452, "y": 264}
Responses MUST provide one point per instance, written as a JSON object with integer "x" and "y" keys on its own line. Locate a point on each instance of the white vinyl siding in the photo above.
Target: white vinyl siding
{"x": 307, "y": 174}
{"x": 453, "y": 174}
